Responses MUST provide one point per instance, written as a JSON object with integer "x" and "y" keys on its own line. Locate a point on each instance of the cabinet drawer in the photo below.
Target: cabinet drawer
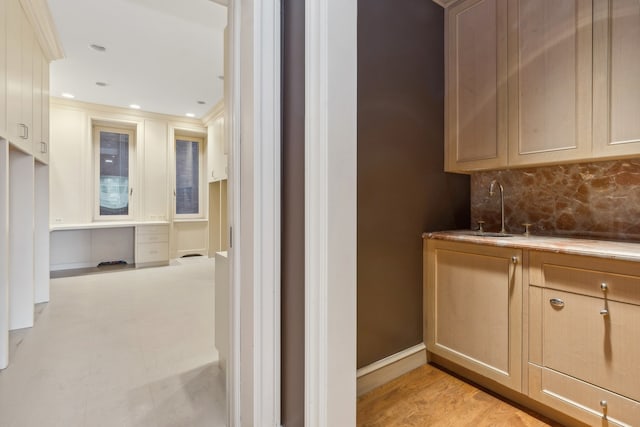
{"x": 578, "y": 339}
{"x": 596, "y": 277}
{"x": 152, "y": 238}
{"x": 152, "y": 229}
{"x": 581, "y": 400}
{"x": 152, "y": 252}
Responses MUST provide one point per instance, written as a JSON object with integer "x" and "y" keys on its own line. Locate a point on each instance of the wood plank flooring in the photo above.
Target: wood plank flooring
{"x": 429, "y": 396}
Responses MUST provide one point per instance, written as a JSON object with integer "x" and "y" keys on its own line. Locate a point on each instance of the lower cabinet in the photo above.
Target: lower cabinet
{"x": 152, "y": 245}
{"x": 474, "y": 308}
{"x": 584, "y": 340}
{"x": 580, "y": 329}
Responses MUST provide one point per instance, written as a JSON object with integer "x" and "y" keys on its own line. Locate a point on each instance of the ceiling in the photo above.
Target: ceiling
{"x": 163, "y": 55}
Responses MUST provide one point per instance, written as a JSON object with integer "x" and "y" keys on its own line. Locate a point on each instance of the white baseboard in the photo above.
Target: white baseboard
{"x": 390, "y": 368}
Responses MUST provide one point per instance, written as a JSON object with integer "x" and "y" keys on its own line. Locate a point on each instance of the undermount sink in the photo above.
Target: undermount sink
{"x": 485, "y": 233}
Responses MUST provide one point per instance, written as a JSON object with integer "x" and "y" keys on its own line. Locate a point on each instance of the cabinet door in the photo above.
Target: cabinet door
{"x": 44, "y": 146}
{"x": 476, "y": 96}
{"x": 20, "y": 41}
{"x": 3, "y": 70}
{"x": 37, "y": 101}
{"x": 616, "y": 67}
{"x": 474, "y": 308}
{"x": 550, "y": 78}
{"x": 14, "y": 69}
{"x": 28, "y": 45}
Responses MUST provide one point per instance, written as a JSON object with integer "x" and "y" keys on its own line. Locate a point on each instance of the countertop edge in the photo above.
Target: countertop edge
{"x": 624, "y": 251}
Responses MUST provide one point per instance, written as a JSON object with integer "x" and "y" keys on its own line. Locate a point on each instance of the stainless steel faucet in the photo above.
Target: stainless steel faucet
{"x": 491, "y": 192}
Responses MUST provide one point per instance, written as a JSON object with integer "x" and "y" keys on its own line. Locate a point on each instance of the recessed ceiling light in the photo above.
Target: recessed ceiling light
{"x": 201, "y": 102}
{"x": 134, "y": 106}
{"x": 97, "y": 47}
{"x": 68, "y": 95}
{"x": 190, "y": 115}
{"x": 102, "y": 84}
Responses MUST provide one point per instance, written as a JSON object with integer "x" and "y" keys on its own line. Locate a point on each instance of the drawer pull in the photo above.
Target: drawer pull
{"x": 604, "y": 287}
{"x": 556, "y": 302}
{"x": 604, "y": 405}
{"x": 604, "y": 312}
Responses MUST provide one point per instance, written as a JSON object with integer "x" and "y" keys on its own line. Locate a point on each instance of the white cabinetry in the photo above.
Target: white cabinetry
{"x": 40, "y": 106}
{"x": 216, "y": 157}
{"x": 19, "y": 51}
{"x": 473, "y": 308}
{"x": 3, "y": 72}
{"x": 152, "y": 245}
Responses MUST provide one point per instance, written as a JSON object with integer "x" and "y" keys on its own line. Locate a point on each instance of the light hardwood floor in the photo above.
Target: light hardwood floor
{"x": 428, "y": 396}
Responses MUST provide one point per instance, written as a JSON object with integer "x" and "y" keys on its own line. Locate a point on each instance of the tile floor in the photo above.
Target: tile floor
{"x": 129, "y": 348}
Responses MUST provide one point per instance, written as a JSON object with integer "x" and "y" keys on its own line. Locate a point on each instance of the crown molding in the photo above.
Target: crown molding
{"x": 216, "y": 110}
{"x": 39, "y": 16}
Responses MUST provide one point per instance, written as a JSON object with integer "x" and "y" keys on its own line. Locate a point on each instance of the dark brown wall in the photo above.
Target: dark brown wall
{"x": 293, "y": 213}
{"x": 402, "y": 189}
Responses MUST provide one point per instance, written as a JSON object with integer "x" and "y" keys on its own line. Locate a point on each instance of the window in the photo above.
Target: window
{"x": 113, "y": 163}
{"x": 188, "y": 186}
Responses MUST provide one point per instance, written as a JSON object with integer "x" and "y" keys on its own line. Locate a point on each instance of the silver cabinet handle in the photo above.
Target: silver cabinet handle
{"x": 514, "y": 259}
{"x": 604, "y": 287}
{"x": 604, "y": 312}
{"x": 43, "y": 147}
{"x": 556, "y": 302}
{"x": 25, "y": 131}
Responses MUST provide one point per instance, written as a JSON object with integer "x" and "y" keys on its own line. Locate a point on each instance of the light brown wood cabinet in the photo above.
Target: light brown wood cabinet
{"x": 550, "y": 78}
{"x": 476, "y": 85}
{"x": 537, "y": 82}
{"x": 556, "y": 329}
{"x": 473, "y": 308}
{"x": 616, "y": 65}
{"x": 584, "y": 342}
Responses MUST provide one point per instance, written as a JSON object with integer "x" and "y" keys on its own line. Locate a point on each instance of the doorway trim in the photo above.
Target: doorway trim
{"x": 330, "y": 212}
{"x": 254, "y": 217}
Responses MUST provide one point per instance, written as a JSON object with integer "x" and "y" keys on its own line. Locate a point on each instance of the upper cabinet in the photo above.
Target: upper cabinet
{"x": 616, "y": 65}
{"x": 550, "y": 45}
{"x": 28, "y": 42}
{"x": 476, "y": 70}
{"x": 535, "y": 82}
{"x": 3, "y": 69}
{"x": 40, "y": 106}
{"x": 19, "y": 57}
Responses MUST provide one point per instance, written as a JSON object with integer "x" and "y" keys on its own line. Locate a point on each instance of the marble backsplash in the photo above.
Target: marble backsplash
{"x": 597, "y": 200}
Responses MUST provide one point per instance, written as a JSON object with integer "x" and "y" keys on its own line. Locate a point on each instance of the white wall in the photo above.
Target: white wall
{"x": 4, "y": 253}
{"x": 21, "y": 226}
{"x": 41, "y": 233}
{"x": 73, "y": 179}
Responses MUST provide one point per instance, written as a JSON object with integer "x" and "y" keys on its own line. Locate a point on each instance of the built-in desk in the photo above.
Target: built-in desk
{"x": 144, "y": 243}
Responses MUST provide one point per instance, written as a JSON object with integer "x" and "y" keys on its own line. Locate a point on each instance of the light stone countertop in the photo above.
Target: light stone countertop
{"x": 598, "y": 248}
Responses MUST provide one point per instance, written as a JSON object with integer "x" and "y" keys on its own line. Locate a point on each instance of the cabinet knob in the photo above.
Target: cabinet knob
{"x": 480, "y": 226}
{"x": 604, "y": 312}
{"x": 603, "y": 403}
{"x": 556, "y": 302}
{"x": 604, "y": 287}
